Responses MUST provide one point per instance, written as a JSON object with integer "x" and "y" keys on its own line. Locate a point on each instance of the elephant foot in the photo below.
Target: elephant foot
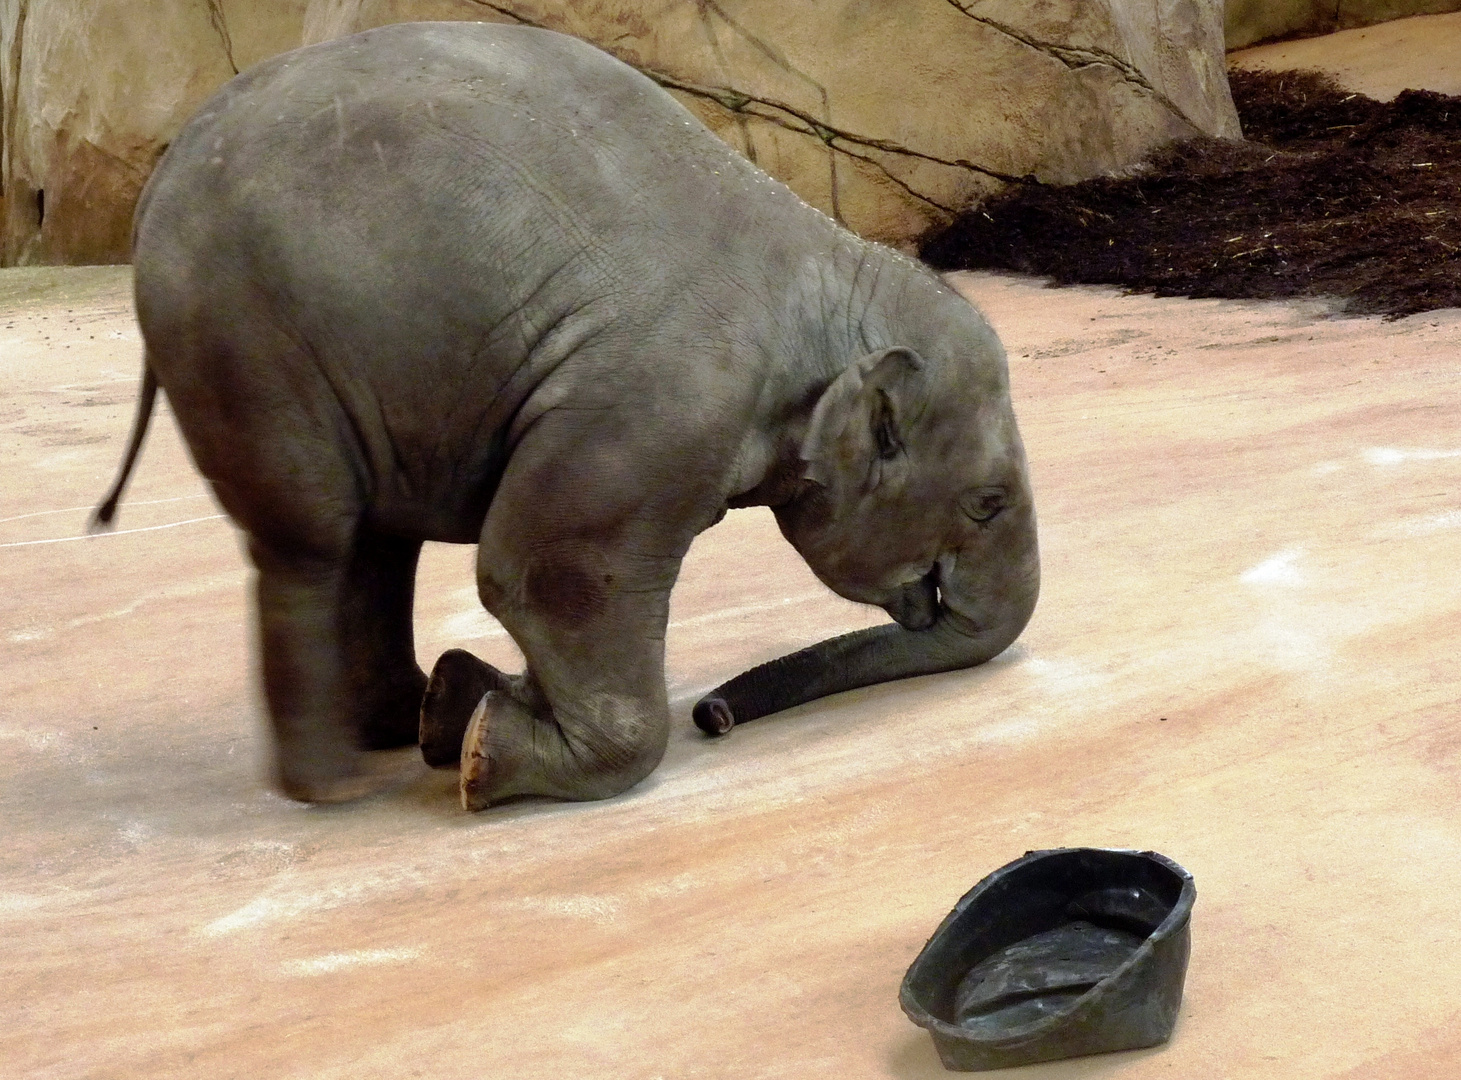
{"x": 458, "y": 682}
{"x": 343, "y": 790}
{"x": 511, "y": 750}
{"x": 474, "y": 761}
{"x": 353, "y": 780}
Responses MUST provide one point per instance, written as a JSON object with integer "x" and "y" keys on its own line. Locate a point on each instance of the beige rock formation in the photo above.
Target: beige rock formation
{"x": 1249, "y": 21}
{"x": 891, "y": 116}
{"x": 888, "y": 115}
{"x": 92, "y": 90}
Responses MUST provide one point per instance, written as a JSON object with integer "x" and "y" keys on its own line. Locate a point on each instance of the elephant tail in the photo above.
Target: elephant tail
{"x": 101, "y": 517}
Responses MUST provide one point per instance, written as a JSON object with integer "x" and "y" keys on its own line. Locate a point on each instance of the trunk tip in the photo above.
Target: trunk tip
{"x": 713, "y": 715}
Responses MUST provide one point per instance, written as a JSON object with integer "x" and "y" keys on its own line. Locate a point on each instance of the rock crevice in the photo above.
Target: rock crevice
{"x": 1076, "y": 57}
{"x": 792, "y": 119}
{"x": 220, "y": 26}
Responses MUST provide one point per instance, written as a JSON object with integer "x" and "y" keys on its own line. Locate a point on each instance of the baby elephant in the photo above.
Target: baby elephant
{"x": 486, "y": 284}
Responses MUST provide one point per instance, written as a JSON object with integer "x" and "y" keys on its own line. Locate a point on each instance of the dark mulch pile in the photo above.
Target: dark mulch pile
{"x": 1333, "y": 194}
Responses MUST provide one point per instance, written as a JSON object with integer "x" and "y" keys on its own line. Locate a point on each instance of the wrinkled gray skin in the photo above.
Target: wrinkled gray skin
{"x": 486, "y": 284}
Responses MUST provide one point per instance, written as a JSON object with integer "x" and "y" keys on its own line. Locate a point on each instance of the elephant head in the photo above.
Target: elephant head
{"x": 915, "y": 498}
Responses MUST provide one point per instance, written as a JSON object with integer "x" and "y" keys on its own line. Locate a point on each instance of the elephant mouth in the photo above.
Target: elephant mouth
{"x": 915, "y": 605}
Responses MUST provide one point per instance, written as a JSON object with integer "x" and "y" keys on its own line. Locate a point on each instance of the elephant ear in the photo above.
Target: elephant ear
{"x": 859, "y": 428}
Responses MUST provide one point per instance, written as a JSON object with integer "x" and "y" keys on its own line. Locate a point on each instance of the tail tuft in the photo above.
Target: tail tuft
{"x": 101, "y": 517}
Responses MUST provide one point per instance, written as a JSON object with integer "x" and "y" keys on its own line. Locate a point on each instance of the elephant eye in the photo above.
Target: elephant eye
{"x": 983, "y": 504}
{"x": 885, "y": 429}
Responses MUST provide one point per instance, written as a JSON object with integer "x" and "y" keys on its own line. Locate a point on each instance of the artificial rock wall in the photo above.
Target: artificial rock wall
{"x": 888, "y": 114}
{"x": 892, "y": 114}
{"x": 90, "y": 92}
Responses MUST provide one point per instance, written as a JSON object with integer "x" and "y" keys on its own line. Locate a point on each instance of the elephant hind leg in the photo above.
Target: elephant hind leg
{"x": 339, "y": 665}
{"x": 333, "y": 595}
{"x": 306, "y": 684}
{"x": 386, "y": 684}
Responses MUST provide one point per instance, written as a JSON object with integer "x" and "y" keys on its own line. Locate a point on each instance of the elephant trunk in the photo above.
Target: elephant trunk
{"x": 879, "y": 654}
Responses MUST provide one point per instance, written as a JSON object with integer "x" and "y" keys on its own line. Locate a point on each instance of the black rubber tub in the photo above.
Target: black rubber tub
{"x": 1059, "y": 954}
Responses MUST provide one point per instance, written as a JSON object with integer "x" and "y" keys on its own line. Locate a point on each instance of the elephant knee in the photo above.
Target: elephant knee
{"x": 612, "y": 757}
{"x": 510, "y": 749}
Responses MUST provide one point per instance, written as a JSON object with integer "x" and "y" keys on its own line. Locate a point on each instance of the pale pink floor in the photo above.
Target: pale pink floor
{"x": 1247, "y": 656}
{"x": 1419, "y": 53}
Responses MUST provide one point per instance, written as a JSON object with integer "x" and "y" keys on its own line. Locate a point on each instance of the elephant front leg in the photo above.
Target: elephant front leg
{"x": 588, "y": 720}
{"x": 510, "y": 749}
{"x": 458, "y": 682}
{"x": 576, "y": 561}
{"x": 502, "y": 732}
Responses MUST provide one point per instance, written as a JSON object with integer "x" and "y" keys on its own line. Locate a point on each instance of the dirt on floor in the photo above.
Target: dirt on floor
{"x": 1333, "y": 194}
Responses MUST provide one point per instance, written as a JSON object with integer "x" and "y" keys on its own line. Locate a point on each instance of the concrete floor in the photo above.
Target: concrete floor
{"x": 1247, "y": 656}
{"x": 1419, "y": 53}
